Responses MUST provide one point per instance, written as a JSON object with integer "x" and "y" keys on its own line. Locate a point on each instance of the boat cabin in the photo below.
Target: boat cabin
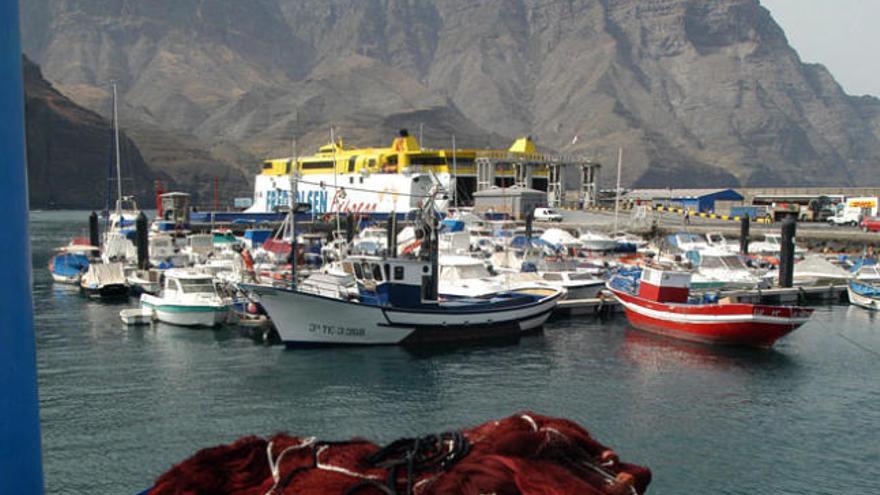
{"x": 664, "y": 285}
{"x": 399, "y": 282}
{"x": 181, "y": 283}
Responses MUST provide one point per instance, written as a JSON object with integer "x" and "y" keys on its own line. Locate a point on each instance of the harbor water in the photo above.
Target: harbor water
{"x": 121, "y": 405}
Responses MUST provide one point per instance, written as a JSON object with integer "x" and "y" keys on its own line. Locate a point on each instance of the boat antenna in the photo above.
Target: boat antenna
{"x": 617, "y": 190}
{"x": 116, "y": 144}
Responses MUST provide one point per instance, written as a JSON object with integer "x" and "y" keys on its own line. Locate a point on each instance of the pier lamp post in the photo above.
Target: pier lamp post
{"x": 21, "y": 469}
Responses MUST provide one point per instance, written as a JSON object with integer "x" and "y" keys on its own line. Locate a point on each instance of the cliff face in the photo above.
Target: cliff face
{"x": 69, "y": 150}
{"x": 697, "y": 93}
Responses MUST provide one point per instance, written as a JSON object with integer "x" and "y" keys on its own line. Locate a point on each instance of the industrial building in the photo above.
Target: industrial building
{"x": 695, "y": 200}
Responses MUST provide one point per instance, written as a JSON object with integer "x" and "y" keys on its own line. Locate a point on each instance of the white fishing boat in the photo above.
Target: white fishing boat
{"x": 727, "y": 269}
{"x": 391, "y": 310}
{"x": 398, "y": 303}
{"x": 864, "y": 294}
{"x": 188, "y": 298}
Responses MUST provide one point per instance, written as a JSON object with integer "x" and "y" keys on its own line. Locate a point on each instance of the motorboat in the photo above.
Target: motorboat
{"x": 728, "y": 269}
{"x": 72, "y": 261}
{"x": 593, "y": 241}
{"x": 188, "y": 298}
{"x": 105, "y": 281}
{"x": 686, "y": 241}
{"x": 771, "y": 245}
{"x": 657, "y": 299}
{"x": 864, "y": 294}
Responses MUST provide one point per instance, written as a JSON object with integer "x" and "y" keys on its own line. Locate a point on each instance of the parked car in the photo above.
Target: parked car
{"x": 870, "y": 224}
{"x": 547, "y": 215}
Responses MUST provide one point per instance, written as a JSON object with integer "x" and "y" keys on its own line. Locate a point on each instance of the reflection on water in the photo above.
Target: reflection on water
{"x": 120, "y": 405}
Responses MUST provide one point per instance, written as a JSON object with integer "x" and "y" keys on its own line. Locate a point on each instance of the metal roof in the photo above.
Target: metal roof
{"x": 648, "y": 194}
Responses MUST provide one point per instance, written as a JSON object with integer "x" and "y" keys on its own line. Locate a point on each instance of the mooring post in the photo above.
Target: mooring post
{"x": 530, "y": 219}
{"x": 143, "y": 255}
{"x": 744, "y": 234}
{"x": 391, "y": 236}
{"x": 93, "y": 230}
{"x": 349, "y": 227}
{"x": 786, "y": 252}
{"x": 21, "y": 468}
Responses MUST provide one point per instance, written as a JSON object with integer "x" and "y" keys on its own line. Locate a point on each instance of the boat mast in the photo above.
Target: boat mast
{"x": 116, "y": 144}
{"x": 617, "y": 191}
{"x": 454, "y": 175}
{"x": 335, "y": 187}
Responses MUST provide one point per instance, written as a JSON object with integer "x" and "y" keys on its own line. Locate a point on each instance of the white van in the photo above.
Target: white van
{"x": 547, "y": 215}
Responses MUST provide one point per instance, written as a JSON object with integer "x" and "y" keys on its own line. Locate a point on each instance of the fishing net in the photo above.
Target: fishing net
{"x": 525, "y": 454}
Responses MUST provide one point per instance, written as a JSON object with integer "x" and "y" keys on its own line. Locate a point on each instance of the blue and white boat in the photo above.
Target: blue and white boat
{"x": 68, "y": 266}
{"x": 864, "y": 294}
{"x": 188, "y": 298}
{"x": 393, "y": 309}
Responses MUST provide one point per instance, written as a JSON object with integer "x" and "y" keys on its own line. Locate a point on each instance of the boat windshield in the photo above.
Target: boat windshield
{"x": 196, "y": 286}
{"x": 711, "y": 262}
{"x": 460, "y": 272}
{"x": 734, "y": 263}
{"x": 580, "y": 276}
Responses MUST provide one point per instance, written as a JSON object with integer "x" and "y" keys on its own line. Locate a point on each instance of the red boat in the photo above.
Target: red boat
{"x": 660, "y": 302}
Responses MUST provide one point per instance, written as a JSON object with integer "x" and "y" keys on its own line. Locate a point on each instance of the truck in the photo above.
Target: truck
{"x": 851, "y": 211}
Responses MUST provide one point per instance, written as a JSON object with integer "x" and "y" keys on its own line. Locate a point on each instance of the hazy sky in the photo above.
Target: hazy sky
{"x": 840, "y": 34}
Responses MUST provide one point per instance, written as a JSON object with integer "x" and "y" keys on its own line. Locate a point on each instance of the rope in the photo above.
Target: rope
{"x": 274, "y": 464}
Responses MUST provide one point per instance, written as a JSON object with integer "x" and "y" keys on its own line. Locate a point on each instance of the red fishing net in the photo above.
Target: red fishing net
{"x": 525, "y": 454}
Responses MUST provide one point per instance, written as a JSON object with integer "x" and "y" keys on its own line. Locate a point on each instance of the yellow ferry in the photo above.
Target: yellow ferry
{"x": 384, "y": 180}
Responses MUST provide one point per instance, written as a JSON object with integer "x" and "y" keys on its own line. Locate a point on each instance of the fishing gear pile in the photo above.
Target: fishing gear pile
{"x": 525, "y": 454}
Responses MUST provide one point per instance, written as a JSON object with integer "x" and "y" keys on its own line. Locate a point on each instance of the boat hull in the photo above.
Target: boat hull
{"x": 107, "y": 292}
{"x": 304, "y": 319}
{"x": 862, "y": 300}
{"x": 729, "y": 324}
{"x": 66, "y": 279}
{"x": 186, "y": 315}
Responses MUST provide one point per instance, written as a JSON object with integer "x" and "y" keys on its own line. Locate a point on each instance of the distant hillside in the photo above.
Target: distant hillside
{"x": 69, "y": 150}
{"x": 697, "y": 93}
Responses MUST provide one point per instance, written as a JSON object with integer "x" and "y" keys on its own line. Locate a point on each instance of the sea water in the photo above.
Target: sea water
{"x": 121, "y": 405}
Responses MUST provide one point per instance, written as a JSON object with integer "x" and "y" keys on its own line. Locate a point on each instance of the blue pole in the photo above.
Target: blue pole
{"x": 21, "y": 469}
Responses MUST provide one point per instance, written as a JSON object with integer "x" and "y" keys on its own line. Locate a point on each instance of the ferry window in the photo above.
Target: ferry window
{"x": 287, "y": 166}
{"x": 357, "y": 272}
{"x": 351, "y": 162}
{"x": 311, "y": 165}
{"x": 391, "y": 159}
{"x": 372, "y": 163}
{"x": 427, "y": 160}
{"x": 387, "y": 271}
{"x": 398, "y": 273}
{"x": 361, "y": 179}
{"x": 267, "y": 165}
{"x": 351, "y": 180}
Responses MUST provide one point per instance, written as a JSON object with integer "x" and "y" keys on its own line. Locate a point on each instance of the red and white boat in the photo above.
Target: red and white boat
{"x": 659, "y": 302}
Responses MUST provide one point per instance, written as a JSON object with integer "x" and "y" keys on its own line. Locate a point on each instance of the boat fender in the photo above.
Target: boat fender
{"x": 609, "y": 458}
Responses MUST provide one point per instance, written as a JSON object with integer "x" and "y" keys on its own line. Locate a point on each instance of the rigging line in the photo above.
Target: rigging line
{"x": 361, "y": 189}
{"x": 861, "y": 346}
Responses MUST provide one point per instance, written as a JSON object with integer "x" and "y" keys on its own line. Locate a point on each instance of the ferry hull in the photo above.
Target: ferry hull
{"x": 304, "y": 319}
{"x": 728, "y": 324}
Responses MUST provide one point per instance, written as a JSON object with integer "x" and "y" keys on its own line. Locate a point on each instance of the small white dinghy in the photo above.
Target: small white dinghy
{"x": 136, "y": 316}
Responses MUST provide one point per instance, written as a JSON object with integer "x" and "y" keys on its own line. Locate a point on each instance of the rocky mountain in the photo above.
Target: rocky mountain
{"x": 69, "y": 150}
{"x": 696, "y": 93}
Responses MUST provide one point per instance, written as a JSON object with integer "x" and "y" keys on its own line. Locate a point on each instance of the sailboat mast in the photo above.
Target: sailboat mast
{"x": 617, "y": 190}
{"x": 116, "y": 144}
